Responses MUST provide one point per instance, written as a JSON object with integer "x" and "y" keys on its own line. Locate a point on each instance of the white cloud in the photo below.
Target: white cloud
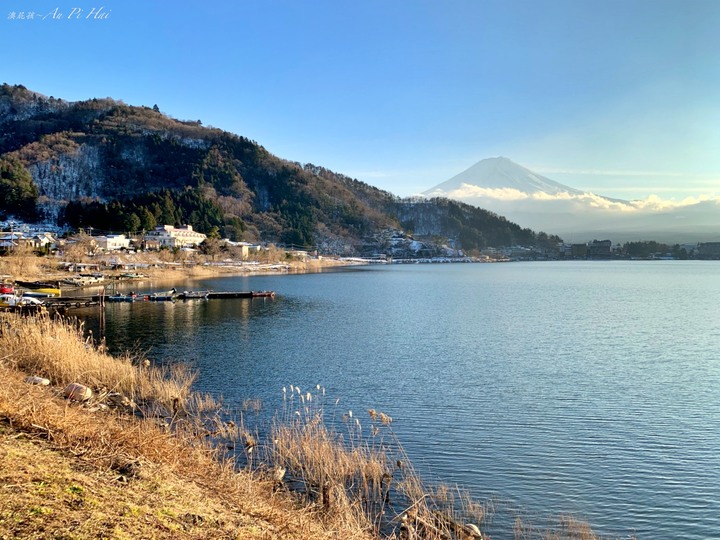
{"x": 651, "y": 204}
{"x": 500, "y": 194}
{"x": 654, "y": 203}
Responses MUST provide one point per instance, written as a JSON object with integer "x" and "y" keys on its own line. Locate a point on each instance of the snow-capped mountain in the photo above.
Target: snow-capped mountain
{"x": 504, "y": 174}
{"x": 534, "y": 201}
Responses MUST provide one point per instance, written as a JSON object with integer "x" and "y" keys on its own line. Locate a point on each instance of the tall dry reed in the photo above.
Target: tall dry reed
{"x": 361, "y": 473}
{"x": 59, "y": 351}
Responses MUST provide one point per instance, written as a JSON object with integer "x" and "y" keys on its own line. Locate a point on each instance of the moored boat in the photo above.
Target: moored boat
{"x": 9, "y": 300}
{"x": 260, "y": 294}
{"x": 130, "y": 297}
{"x": 162, "y": 297}
{"x": 193, "y": 295}
{"x": 169, "y": 296}
{"x": 41, "y": 287}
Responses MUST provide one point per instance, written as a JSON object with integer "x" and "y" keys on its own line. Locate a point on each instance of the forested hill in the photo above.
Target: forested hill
{"x": 122, "y": 168}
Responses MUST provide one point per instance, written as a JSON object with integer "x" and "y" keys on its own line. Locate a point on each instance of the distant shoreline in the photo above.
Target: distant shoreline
{"x": 31, "y": 268}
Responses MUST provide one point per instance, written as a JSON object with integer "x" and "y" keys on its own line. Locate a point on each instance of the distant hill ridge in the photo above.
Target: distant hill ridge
{"x": 113, "y": 166}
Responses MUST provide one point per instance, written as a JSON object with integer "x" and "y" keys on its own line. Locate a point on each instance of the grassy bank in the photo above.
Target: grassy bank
{"x": 141, "y": 466}
{"x": 143, "y": 456}
{"x": 138, "y": 456}
{"x": 147, "y": 457}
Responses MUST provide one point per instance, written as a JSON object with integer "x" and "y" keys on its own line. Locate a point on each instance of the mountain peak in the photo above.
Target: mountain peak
{"x": 502, "y": 173}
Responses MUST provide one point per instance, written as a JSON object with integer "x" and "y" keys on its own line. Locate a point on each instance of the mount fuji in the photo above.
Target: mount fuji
{"x": 500, "y": 173}
{"x": 534, "y": 201}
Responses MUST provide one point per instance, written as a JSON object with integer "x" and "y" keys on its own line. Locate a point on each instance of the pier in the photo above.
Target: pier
{"x": 242, "y": 294}
{"x": 63, "y": 304}
{"x": 67, "y": 302}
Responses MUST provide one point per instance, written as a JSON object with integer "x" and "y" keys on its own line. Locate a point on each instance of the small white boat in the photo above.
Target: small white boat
{"x": 169, "y": 296}
{"x": 193, "y": 295}
{"x": 12, "y": 300}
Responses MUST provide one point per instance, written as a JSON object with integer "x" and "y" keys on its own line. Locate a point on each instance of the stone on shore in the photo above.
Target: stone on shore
{"x": 77, "y": 392}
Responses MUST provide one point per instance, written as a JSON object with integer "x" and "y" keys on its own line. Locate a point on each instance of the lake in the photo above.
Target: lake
{"x": 590, "y": 388}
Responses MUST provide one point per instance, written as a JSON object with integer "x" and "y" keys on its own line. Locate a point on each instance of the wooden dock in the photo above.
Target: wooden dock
{"x": 87, "y": 301}
{"x": 65, "y": 303}
{"x": 242, "y": 294}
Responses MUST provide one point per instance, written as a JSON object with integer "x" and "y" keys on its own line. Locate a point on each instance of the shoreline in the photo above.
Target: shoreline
{"x": 32, "y": 268}
{"x": 154, "y": 449}
{"x": 268, "y": 528}
{"x": 120, "y": 464}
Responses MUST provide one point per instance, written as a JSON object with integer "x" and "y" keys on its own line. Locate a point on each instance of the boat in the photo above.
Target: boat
{"x": 130, "y": 297}
{"x": 242, "y": 294}
{"x": 8, "y": 300}
{"x": 11, "y": 300}
{"x": 132, "y": 275}
{"x": 41, "y": 287}
{"x": 262, "y": 294}
{"x": 162, "y": 297}
{"x": 6, "y": 288}
{"x": 169, "y": 296}
{"x": 193, "y": 295}
{"x": 83, "y": 280}
{"x": 36, "y": 294}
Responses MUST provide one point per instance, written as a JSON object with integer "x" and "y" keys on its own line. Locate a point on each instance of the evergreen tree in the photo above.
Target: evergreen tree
{"x": 19, "y": 192}
{"x": 147, "y": 219}
{"x": 131, "y": 222}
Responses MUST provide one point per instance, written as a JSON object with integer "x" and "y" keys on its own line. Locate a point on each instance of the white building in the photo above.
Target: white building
{"x": 11, "y": 240}
{"x": 246, "y": 249}
{"x": 112, "y": 242}
{"x": 170, "y": 236}
{"x": 45, "y": 240}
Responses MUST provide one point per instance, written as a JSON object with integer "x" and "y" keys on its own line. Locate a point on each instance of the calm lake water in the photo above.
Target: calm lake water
{"x": 590, "y": 388}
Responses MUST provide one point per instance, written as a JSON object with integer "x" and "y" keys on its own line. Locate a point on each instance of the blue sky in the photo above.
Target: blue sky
{"x": 617, "y": 97}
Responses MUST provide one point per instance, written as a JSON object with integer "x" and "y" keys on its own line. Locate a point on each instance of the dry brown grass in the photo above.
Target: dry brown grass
{"x": 24, "y": 264}
{"x": 362, "y": 476}
{"x": 76, "y": 471}
{"x": 58, "y": 351}
{"x": 347, "y": 482}
{"x": 69, "y": 473}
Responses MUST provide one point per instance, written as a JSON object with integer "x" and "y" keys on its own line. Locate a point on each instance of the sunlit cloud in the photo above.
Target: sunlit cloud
{"x": 470, "y": 191}
{"x": 654, "y": 203}
{"x": 650, "y": 204}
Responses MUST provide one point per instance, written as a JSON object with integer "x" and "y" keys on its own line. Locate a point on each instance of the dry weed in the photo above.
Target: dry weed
{"x": 58, "y": 350}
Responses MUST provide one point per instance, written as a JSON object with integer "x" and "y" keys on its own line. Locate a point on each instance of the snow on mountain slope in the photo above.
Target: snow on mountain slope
{"x": 500, "y": 173}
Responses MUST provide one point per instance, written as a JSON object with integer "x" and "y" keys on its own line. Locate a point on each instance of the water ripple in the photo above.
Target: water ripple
{"x": 561, "y": 387}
